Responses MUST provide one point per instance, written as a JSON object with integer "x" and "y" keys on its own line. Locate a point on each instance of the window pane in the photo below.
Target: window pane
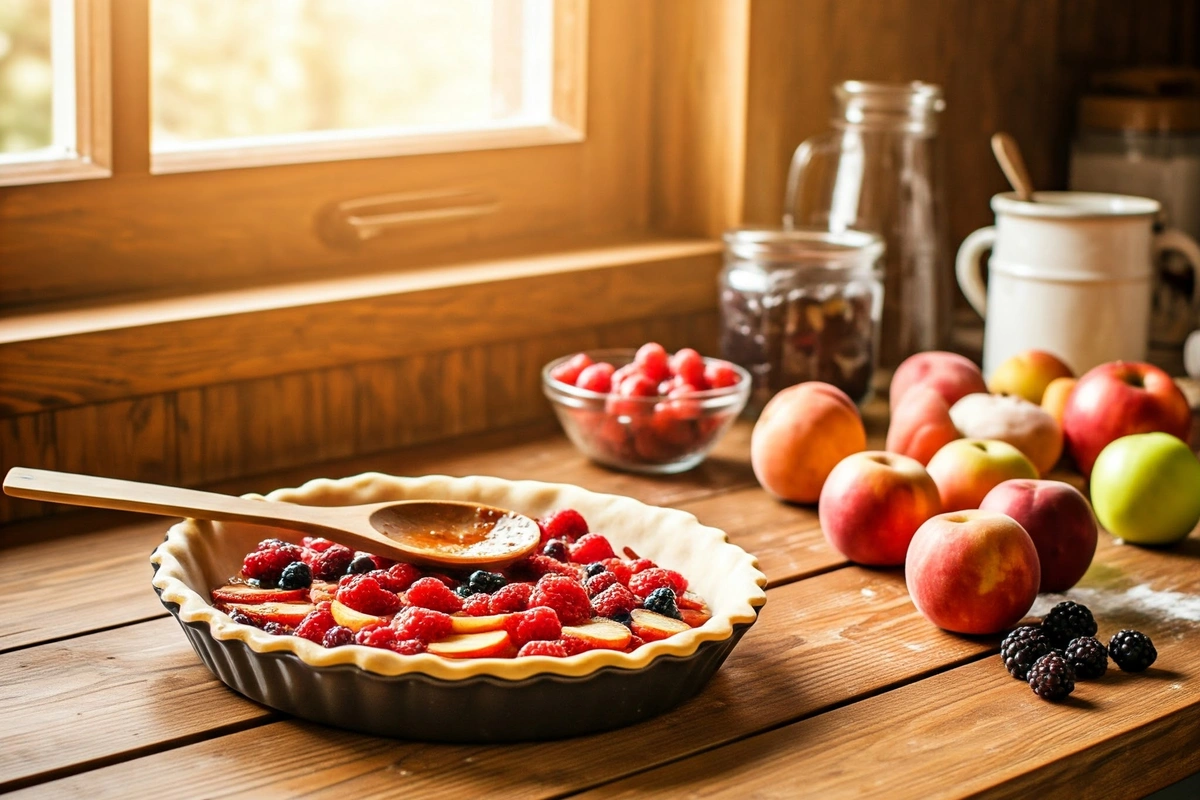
{"x": 26, "y": 76}
{"x": 267, "y": 68}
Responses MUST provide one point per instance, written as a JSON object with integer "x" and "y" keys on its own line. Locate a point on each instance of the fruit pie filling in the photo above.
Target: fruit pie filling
{"x": 575, "y": 595}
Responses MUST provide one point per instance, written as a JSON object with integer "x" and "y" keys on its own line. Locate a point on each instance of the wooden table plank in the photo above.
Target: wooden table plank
{"x": 975, "y": 730}
{"x": 112, "y": 694}
{"x": 819, "y": 643}
{"x": 108, "y": 571}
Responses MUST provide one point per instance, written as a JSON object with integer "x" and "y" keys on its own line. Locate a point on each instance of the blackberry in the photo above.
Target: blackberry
{"x": 337, "y": 636}
{"x": 1021, "y": 648}
{"x": 1132, "y": 650}
{"x": 482, "y": 581}
{"x": 662, "y": 601}
{"x": 464, "y": 591}
{"x": 1052, "y": 677}
{"x": 1067, "y": 621}
{"x": 623, "y": 617}
{"x": 240, "y": 618}
{"x": 556, "y": 549}
{"x": 594, "y": 569}
{"x": 361, "y": 564}
{"x": 1088, "y": 657}
{"x": 295, "y": 575}
{"x": 277, "y": 628}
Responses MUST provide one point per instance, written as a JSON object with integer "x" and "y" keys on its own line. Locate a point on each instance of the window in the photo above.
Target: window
{"x": 345, "y": 163}
{"x": 54, "y": 85}
{"x": 276, "y": 81}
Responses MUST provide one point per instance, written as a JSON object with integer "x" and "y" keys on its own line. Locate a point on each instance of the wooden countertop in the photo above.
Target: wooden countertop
{"x": 840, "y": 689}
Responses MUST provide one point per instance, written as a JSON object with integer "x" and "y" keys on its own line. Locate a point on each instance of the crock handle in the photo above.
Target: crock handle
{"x": 1180, "y": 242}
{"x": 969, "y": 267}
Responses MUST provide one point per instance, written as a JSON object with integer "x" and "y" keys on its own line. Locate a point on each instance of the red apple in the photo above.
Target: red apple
{"x": 967, "y": 469}
{"x": 600, "y": 633}
{"x": 873, "y": 503}
{"x": 472, "y": 645}
{"x": 949, "y": 374}
{"x": 347, "y": 617}
{"x": 802, "y": 434}
{"x": 920, "y": 425}
{"x": 1058, "y": 518}
{"x": 652, "y": 627}
{"x": 1119, "y": 399}
{"x": 466, "y": 624}
{"x": 972, "y": 571}
{"x": 247, "y": 594}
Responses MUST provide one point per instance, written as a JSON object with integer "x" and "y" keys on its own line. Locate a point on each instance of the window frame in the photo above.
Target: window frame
{"x": 91, "y": 155}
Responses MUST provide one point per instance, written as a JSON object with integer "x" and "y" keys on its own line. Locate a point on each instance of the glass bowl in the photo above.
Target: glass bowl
{"x": 655, "y": 435}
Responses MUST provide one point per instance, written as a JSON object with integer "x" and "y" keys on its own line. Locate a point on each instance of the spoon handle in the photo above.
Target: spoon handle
{"x": 150, "y": 498}
{"x": 1008, "y": 153}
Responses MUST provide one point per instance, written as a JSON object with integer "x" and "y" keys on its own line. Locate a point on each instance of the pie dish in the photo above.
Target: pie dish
{"x": 428, "y": 697}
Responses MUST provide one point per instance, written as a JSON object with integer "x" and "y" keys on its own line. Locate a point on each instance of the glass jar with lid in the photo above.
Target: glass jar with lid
{"x": 802, "y": 304}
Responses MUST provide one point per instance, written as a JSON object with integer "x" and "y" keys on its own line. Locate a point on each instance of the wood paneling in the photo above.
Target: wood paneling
{"x": 1014, "y": 65}
{"x": 229, "y": 430}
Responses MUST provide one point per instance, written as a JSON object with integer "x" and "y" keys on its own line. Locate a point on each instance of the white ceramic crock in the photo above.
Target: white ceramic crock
{"x": 1070, "y": 273}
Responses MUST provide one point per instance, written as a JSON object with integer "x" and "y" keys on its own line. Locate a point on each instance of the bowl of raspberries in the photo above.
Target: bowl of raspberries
{"x": 623, "y": 611}
{"x": 645, "y": 410}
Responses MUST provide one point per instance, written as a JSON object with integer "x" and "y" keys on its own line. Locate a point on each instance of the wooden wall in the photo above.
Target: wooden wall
{"x": 1014, "y": 65}
{"x": 200, "y": 436}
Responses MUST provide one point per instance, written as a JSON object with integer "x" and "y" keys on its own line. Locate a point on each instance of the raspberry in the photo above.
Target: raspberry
{"x": 514, "y": 597}
{"x": 376, "y": 636}
{"x": 565, "y": 595}
{"x": 689, "y": 365}
{"x": 596, "y": 378}
{"x": 1021, "y": 648}
{"x": 569, "y": 370}
{"x": 401, "y": 576}
{"x": 614, "y": 601}
{"x": 556, "y": 549}
{"x": 316, "y": 624}
{"x": 408, "y": 647}
{"x": 566, "y": 524}
{"x": 635, "y": 642}
{"x": 662, "y": 601}
{"x": 1088, "y": 657}
{"x": 1132, "y": 650}
{"x": 421, "y": 623}
{"x": 542, "y": 648}
{"x": 1067, "y": 621}
{"x": 536, "y": 623}
{"x": 619, "y": 568}
{"x": 720, "y": 375}
{"x": 637, "y": 565}
{"x": 646, "y": 581}
{"x": 295, "y": 575}
{"x": 484, "y": 581}
{"x": 652, "y": 361}
{"x": 591, "y": 547}
{"x": 338, "y": 636}
{"x": 536, "y": 566}
{"x": 574, "y": 646}
{"x": 316, "y": 543}
{"x": 363, "y": 593}
{"x": 332, "y": 563}
{"x": 267, "y": 564}
{"x": 433, "y": 594}
{"x": 1051, "y": 677}
{"x": 598, "y": 583}
{"x": 477, "y": 605}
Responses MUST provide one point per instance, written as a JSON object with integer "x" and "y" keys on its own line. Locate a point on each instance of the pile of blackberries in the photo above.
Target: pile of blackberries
{"x": 1063, "y": 648}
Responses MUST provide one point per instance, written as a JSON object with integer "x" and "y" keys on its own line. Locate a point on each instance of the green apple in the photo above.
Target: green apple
{"x": 1146, "y": 488}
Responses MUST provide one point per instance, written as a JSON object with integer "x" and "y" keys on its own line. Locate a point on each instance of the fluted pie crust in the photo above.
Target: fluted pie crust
{"x": 198, "y": 556}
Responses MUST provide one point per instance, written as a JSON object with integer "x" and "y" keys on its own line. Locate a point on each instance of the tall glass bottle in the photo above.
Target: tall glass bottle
{"x": 877, "y": 170}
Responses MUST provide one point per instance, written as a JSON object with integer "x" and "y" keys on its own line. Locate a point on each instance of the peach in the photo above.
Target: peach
{"x": 949, "y": 374}
{"x": 972, "y": 571}
{"x": 1058, "y": 518}
{"x": 967, "y": 469}
{"x": 921, "y": 425}
{"x": 1055, "y": 397}
{"x": 801, "y": 435}
{"x": 1008, "y": 418}
{"x": 1028, "y": 374}
{"x": 873, "y": 503}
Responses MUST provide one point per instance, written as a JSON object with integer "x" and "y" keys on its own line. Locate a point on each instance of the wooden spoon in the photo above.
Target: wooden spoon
{"x": 1008, "y": 153}
{"x": 429, "y": 532}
